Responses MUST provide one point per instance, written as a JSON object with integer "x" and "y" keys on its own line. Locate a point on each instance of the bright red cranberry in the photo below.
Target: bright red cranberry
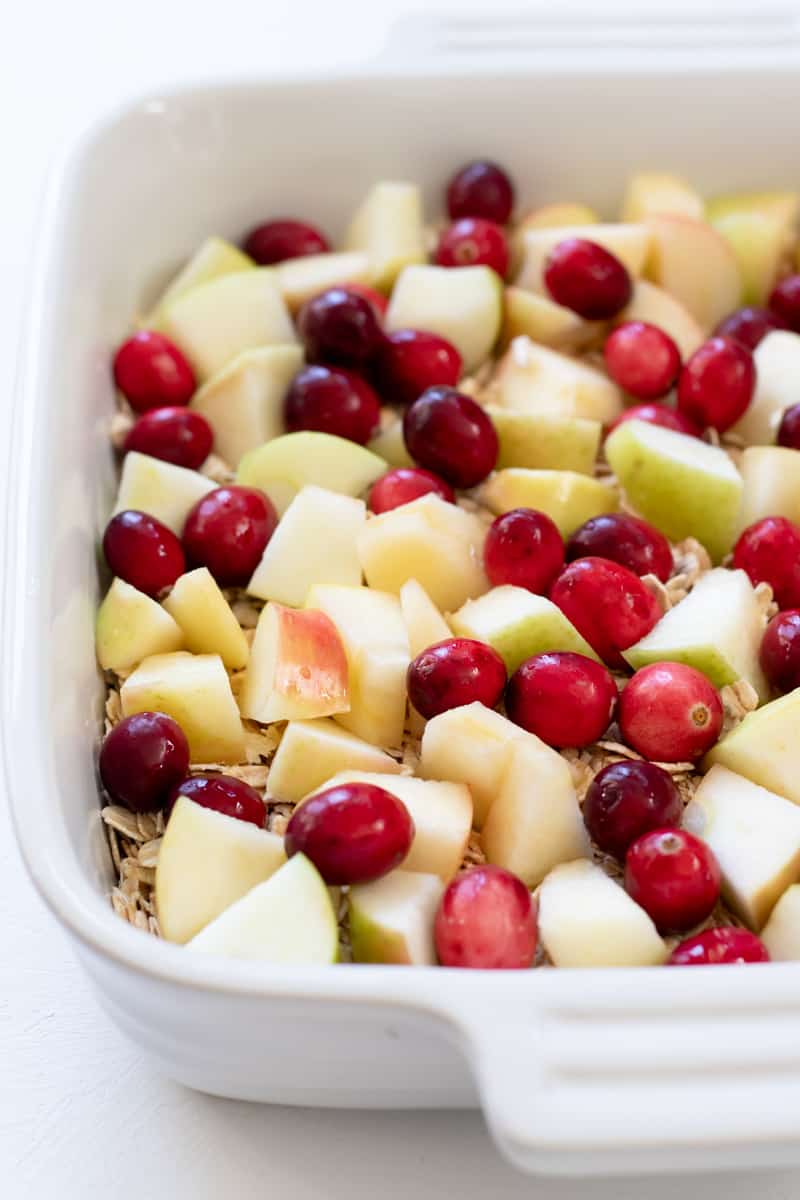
{"x": 486, "y": 919}
{"x": 340, "y": 327}
{"x": 627, "y": 799}
{"x": 670, "y": 712}
{"x": 151, "y": 372}
{"x": 565, "y": 699}
{"x": 785, "y": 301}
{"x": 642, "y": 359}
{"x": 474, "y": 242}
{"x": 480, "y": 189}
{"x": 523, "y": 547}
{"x": 657, "y": 414}
{"x": 719, "y": 947}
{"x": 716, "y": 385}
{"x": 227, "y": 531}
{"x": 176, "y": 435}
{"x": 405, "y": 484}
{"x": 142, "y": 758}
{"x": 780, "y": 650}
{"x": 143, "y": 552}
{"x": 332, "y": 400}
{"x": 352, "y": 833}
{"x": 587, "y": 278}
{"x": 789, "y": 428}
{"x": 275, "y": 241}
{"x": 411, "y": 360}
{"x": 607, "y": 604}
{"x": 769, "y": 551}
{"x": 749, "y": 326}
{"x": 674, "y": 877}
{"x": 378, "y": 301}
{"x": 225, "y": 794}
{"x": 450, "y": 434}
{"x": 623, "y": 539}
{"x": 455, "y": 672}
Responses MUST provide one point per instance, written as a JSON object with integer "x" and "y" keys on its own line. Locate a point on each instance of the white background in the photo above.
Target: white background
{"x": 80, "y": 1116}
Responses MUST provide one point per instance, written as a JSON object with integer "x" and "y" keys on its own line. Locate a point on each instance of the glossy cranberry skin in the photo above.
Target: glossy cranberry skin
{"x": 142, "y": 758}
{"x": 785, "y": 301}
{"x": 587, "y": 278}
{"x": 143, "y": 552}
{"x": 275, "y": 241}
{"x": 411, "y": 360}
{"x": 523, "y": 547}
{"x": 724, "y": 946}
{"x": 474, "y": 242}
{"x": 224, "y": 794}
{"x": 749, "y": 326}
{"x": 227, "y": 531}
{"x": 769, "y": 551}
{"x": 405, "y": 484}
{"x": 151, "y": 372}
{"x": 454, "y": 672}
{"x": 176, "y": 435}
{"x": 623, "y": 539}
{"x": 670, "y": 712}
{"x": 332, "y": 400}
{"x": 626, "y": 800}
{"x": 339, "y": 327}
{"x": 352, "y": 833}
{"x": 566, "y": 699}
{"x": 780, "y": 650}
{"x": 716, "y": 384}
{"x": 480, "y": 189}
{"x": 607, "y": 604}
{"x": 642, "y": 359}
{"x": 486, "y": 920}
{"x": 789, "y": 428}
{"x": 451, "y": 435}
{"x": 657, "y": 414}
{"x": 674, "y": 877}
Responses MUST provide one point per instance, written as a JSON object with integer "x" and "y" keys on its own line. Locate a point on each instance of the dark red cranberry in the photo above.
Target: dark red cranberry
{"x": 587, "y": 278}
{"x": 455, "y": 672}
{"x": 333, "y": 400}
{"x": 224, "y": 794}
{"x": 769, "y": 551}
{"x": 480, "y": 189}
{"x": 780, "y": 650}
{"x": 405, "y": 484}
{"x": 474, "y": 242}
{"x": 451, "y": 435}
{"x": 142, "y": 758}
{"x": 623, "y": 539}
{"x": 719, "y": 947}
{"x": 339, "y": 327}
{"x": 411, "y": 360}
{"x": 674, "y": 877}
{"x": 749, "y": 326}
{"x": 275, "y": 241}
{"x": 626, "y": 800}
{"x": 227, "y": 531}
{"x": 143, "y": 552}
{"x": 785, "y": 301}
{"x": 176, "y": 435}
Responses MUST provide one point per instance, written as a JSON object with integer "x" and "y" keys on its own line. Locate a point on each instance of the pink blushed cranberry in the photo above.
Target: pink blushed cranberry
{"x": 716, "y": 384}
{"x": 486, "y": 920}
{"x": 642, "y": 359}
{"x": 670, "y": 712}
{"x": 723, "y": 946}
{"x": 143, "y": 552}
{"x": 474, "y": 242}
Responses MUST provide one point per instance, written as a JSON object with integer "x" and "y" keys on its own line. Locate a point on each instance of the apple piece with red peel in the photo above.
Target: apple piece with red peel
{"x": 609, "y": 605}
{"x": 311, "y": 752}
{"x": 161, "y": 489}
{"x": 569, "y": 499}
{"x": 518, "y": 624}
{"x": 764, "y": 747}
{"x": 388, "y": 228}
{"x": 534, "y": 379}
{"x": 655, "y": 306}
{"x": 777, "y": 363}
{"x": 669, "y": 712}
{"x": 131, "y": 626}
{"x": 546, "y": 441}
{"x": 527, "y": 314}
{"x": 486, "y": 920}
{"x": 214, "y": 258}
{"x": 771, "y": 476}
{"x": 781, "y": 934}
{"x": 299, "y": 279}
{"x": 392, "y": 919}
{"x": 696, "y": 265}
{"x": 206, "y": 619}
{"x": 642, "y": 359}
{"x": 463, "y": 306}
{"x": 654, "y": 193}
{"x": 282, "y": 467}
{"x": 628, "y": 243}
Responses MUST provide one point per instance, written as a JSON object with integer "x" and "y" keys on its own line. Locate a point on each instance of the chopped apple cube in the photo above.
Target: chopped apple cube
{"x": 206, "y": 620}
{"x": 301, "y": 278}
{"x": 464, "y": 306}
{"x": 425, "y": 624}
{"x": 391, "y": 920}
{"x": 214, "y": 258}
{"x": 568, "y": 498}
{"x": 771, "y": 479}
{"x": 555, "y": 216}
{"x": 166, "y": 492}
{"x": 533, "y": 379}
{"x": 657, "y": 307}
{"x": 629, "y": 243}
{"x": 288, "y": 463}
{"x": 312, "y": 751}
{"x": 650, "y": 193}
{"x": 542, "y": 320}
{"x": 131, "y": 626}
{"x": 781, "y": 934}
{"x": 518, "y": 624}
{"x": 777, "y": 360}
{"x": 547, "y": 441}
{"x": 761, "y": 228}
{"x": 390, "y": 445}
{"x": 388, "y": 227}
{"x": 696, "y": 265}
{"x": 765, "y": 747}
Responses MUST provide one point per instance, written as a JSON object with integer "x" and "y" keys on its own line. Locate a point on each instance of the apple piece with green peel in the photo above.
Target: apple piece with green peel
{"x": 288, "y": 463}
{"x": 629, "y": 243}
{"x": 755, "y": 837}
{"x": 193, "y": 689}
{"x": 213, "y": 259}
{"x": 653, "y": 193}
{"x": 716, "y": 629}
{"x": 311, "y": 752}
{"x": 696, "y": 265}
{"x": 390, "y": 445}
{"x": 542, "y": 320}
{"x": 288, "y": 920}
{"x": 566, "y": 497}
{"x": 315, "y": 542}
{"x": 301, "y": 278}
{"x": 777, "y": 361}
{"x": 534, "y": 379}
{"x": 683, "y": 486}
{"x": 375, "y": 640}
{"x": 771, "y": 478}
{"x": 207, "y": 862}
{"x": 243, "y": 403}
{"x": 657, "y": 307}
{"x": 588, "y": 920}
{"x": 131, "y": 626}
{"x": 558, "y": 215}
{"x": 391, "y": 920}
{"x": 437, "y": 543}
{"x": 463, "y": 306}
{"x": 765, "y": 747}
{"x": 518, "y": 624}
{"x": 214, "y": 322}
{"x": 781, "y": 934}
{"x": 388, "y": 227}
{"x": 425, "y": 624}
{"x": 206, "y": 620}
{"x": 546, "y": 440}
{"x": 166, "y": 492}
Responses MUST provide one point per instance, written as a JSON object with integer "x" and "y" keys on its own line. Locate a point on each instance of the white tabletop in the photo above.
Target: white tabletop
{"x": 80, "y": 1114}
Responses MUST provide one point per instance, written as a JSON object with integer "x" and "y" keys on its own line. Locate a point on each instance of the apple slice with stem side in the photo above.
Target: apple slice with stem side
{"x": 311, "y": 752}
{"x": 388, "y": 227}
{"x": 214, "y": 258}
{"x": 696, "y": 265}
{"x": 764, "y": 747}
{"x": 131, "y": 626}
{"x": 547, "y": 441}
{"x": 653, "y": 305}
{"x": 654, "y": 193}
{"x": 629, "y": 243}
{"x": 165, "y": 491}
{"x": 777, "y": 362}
{"x": 771, "y": 479}
{"x": 781, "y": 934}
{"x": 288, "y": 463}
{"x": 566, "y": 497}
{"x": 464, "y": 306}
{"x": 391, "y": 920}
{"x": 301, "y": 278}
{"x": 534, "y": 379}
{"x": 206, "y": 619}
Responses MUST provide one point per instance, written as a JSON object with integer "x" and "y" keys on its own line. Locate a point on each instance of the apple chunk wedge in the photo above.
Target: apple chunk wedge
{"x": 534, "y": 379}
{"x": 657, "y": 307}
{"x": 390, "y": 445}
{"x": 566, "y": 497}
{"x": 777, "y": 360}
{"x": 391, "y": 920}
{"x": 650, "y": 193}
{"x": 548, "y": 441}
{"x": 425, "y": 624}
{"x": 388, "y": 228}
{"x": 781, "y": 934}
{"x": 542, "y": 320}
{"x": 301, "y": 278}
{"x": 312, "y": 751}
{"x": 131, "y": 626}
{"x": 284, "y": 466}
{"x": 213, "y": 258}
{"x": 518, "y": 624}
{"x": 166, "y": 492}
{"x": 696, "y": 265}
{"x": 463, "y": 306}
{"x": 771, "y": 484}
{"x": 765, "y": 747}
{"x": 205, "y": 617}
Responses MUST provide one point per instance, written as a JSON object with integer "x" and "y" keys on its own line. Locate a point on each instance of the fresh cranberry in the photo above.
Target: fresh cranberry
{"x": 769, "y": 551}
{"x": 626, "y": 540}
{"x": 227, "y": 531}
{"x": 587, "y": 278}
{"x": 480, "y": 189}
{"x": 674, "y": 877}
{"x": 642, "y": 359}
{"x": 352, "y": 833}
{"x": 411, "y": 360}
{"x": 151, "y": 372}
{"x": 626, "y": 800}
{"x": 486, "y": 919}
{"x": 378, "y": 301}
{"x": 176, "y": 435}
{"x": 523, "y": 547}
{"x": 225, "y": 794}
{"x": 332, "y": 400}
{"x": 780, "y": 650}
{"x": 785, "y": 301}
{"x": 565, "y": 699}
{"x": 716, "y": 385}
{"x": 143, "y": 552}
{"x": 789, "y": 428}
{"x": 450, "y": 434}
{"x": 275, "y": 241}
{"x": 749, "y": 326}
{"x": 405, "y": 484}
{"x": 607, "y": 604}
{"x": 657, "y": 414}
{"x": 474, "y": 242}
{"x": 454, "y": 672}
{"x": 670, "y": 712}
{"x": 142, "y": 758}
{"x": 340, "y": 327}
{"x": 719, "y": 947}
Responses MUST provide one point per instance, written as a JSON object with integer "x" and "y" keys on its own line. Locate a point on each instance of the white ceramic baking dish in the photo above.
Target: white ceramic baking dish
{"x": 577, "y": 1071}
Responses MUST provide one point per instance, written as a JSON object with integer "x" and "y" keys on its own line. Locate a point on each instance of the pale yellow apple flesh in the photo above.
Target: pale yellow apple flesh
{"x": 777, "y": 361}
{"x": 761, "y": 228}
{"x": 653, "y": 305}
{"x": 130, "y": 626}
{"x": 206, "y": 620}
{"x": 566, "y": 497}
{"x": 765, "y": 747}
{"x": 286, "y": 464}
{"x": 534, "y": 379}
{"x": 781, "y": 934}
{"x": 650, "y": 193}
{"x": 388, "y": 228}
{"x": 546, "y": 441}
{"x": 390, "y": 446}
{"x": 465, "y": 306}
{"x": 301, "y": 278}
{"x": 213, "y": 258}
{"x": 771, "y": 478}
{"x": 542, "y": 320}
{"x": 557, "y": 215}
{"x": 696, "y": 265}
{"x": 425, "y": 624}
{"x": 391, "y": 920}
{"x": 312, "y": 751}
{"x": 166, "y": 492}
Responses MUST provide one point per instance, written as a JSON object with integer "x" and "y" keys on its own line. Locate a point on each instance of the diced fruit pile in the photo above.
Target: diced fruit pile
{"x": 455, "y": 612}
